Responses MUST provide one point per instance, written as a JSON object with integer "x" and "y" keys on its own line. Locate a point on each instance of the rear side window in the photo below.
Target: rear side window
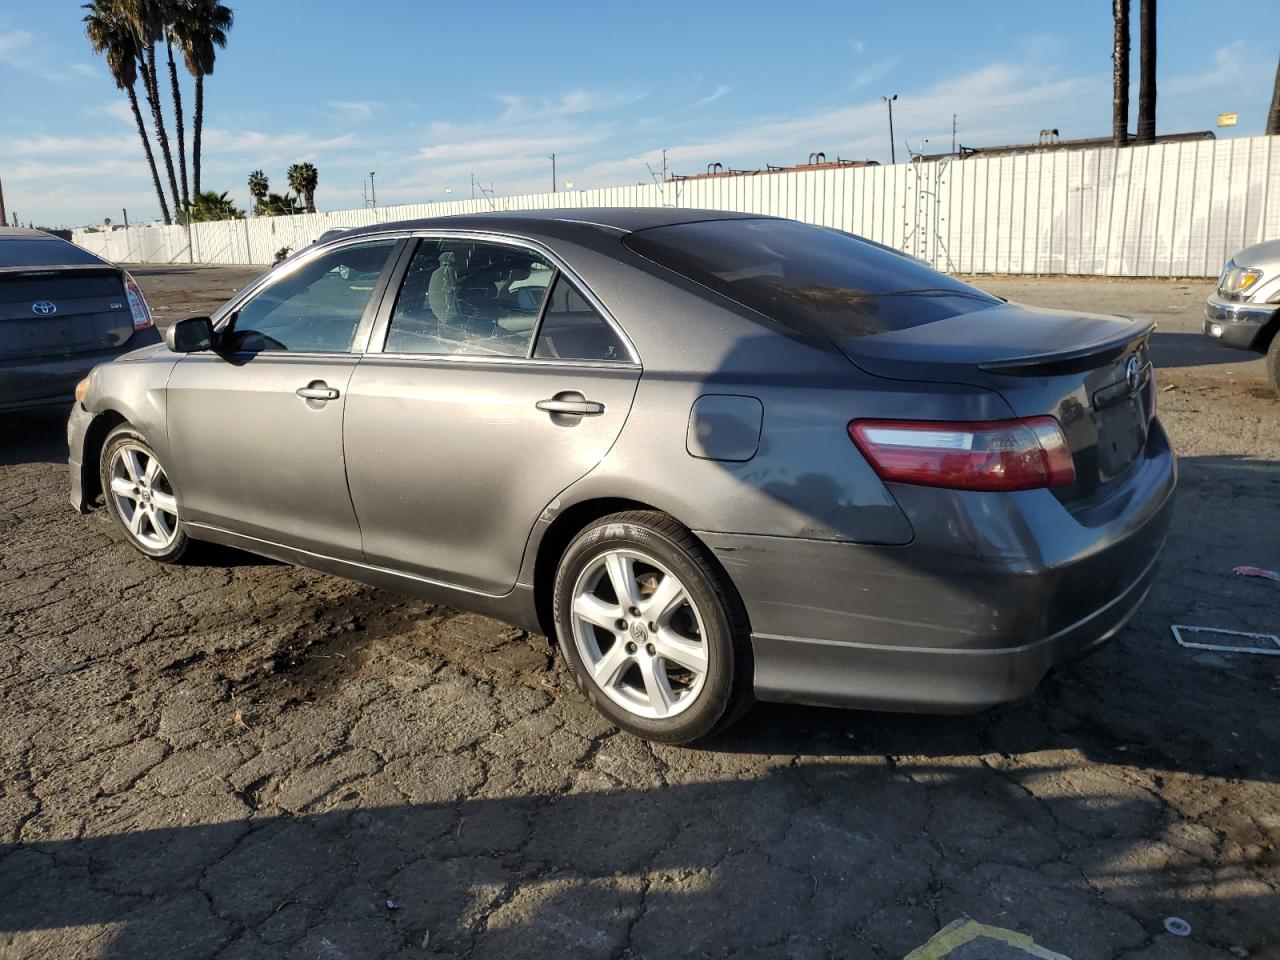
{"x": 41, "y": 251}
{"x": 572, "y": 329}
{"x": 470, "y": 298}
{"x": 818, "y": 282}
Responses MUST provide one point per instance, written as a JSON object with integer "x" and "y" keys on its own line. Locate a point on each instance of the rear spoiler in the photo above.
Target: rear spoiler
{"x": 1074, "y": 360}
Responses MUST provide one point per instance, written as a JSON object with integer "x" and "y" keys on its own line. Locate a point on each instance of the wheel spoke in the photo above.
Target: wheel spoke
{"x": 622, "y": 575}
{"x": 657, "y": 686}
{"x": 685, "y": 653}
{"x": 590, "y": 608}
{"x": 153, "y": 468}
{"x": 610, "y": 667}
{"x": 664, "y": 601}
{"x": 124, "y": 487}
{"x": 132, "y": 466}
{"x": 164, "y": 503}
{"x": 159, "y": 524}
{"x": 135, "y": 521}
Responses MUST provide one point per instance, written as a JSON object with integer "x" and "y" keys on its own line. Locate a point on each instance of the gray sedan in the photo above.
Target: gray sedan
{"x": 717, "y": 457}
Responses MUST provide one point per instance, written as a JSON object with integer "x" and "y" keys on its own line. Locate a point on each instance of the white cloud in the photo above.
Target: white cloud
{"x": 567, "y": 105}
{"x": 720, "y": 90}
{"x": 25, "y": 52}
{"x": 870, "y": 74}
{"x": 1226, "y": 70}
{"x": 352, "y": 110}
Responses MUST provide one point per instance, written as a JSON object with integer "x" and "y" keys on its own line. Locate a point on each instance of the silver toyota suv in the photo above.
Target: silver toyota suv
{"x": 1244, "y": 312}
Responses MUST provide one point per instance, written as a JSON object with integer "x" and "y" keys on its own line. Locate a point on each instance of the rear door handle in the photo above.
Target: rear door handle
{"x": 575, "y": 408}
{"x": 317, "y": 391}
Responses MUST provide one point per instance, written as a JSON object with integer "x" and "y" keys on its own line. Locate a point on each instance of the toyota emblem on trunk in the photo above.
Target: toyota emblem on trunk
{"x": 1133, "y": 372}
{"x": 44, "y": 308}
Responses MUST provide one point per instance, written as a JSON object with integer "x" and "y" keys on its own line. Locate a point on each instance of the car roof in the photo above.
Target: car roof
{"x": 24, "y": 233}
{"x": 535, "y": 223}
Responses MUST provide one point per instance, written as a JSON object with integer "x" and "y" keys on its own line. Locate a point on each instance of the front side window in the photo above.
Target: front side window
{"x": 316, "y": 308}
{"x": 572, "y": 329}
{"x": 469, "y": 297}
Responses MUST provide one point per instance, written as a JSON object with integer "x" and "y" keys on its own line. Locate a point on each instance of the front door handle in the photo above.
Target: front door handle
{"x": 574, "y": 408}
{"x": 317, "y": 390}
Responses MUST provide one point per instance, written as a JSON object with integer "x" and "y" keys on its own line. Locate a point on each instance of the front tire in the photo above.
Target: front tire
{"x": 653, "y": 631}
{"x": 140, "y": 498}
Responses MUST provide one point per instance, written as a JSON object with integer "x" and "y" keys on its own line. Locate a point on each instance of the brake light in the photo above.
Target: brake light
{"x": 968, "y": 455}
{"x": 137, "y": 304}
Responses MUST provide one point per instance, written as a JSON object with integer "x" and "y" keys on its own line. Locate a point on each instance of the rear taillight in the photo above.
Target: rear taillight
{"x": 137, "y": 304}
{"x": 968, "y": 455}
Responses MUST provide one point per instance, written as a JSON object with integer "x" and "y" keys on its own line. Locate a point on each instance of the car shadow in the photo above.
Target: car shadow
{"x": 811, "y": 858}
{"x": 1170, "y": 350}
{"x": 34, "y": 436}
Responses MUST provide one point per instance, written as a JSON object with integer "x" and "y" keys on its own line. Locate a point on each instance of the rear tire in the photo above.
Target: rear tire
{"x": 671, "y": 660}
{"x": 1273, "y": 362}
{"x": 140, "y": 498}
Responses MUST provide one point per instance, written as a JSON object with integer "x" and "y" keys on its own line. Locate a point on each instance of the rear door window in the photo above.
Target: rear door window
{"x": 572, "y": 329}
{"x": 813, "y": 280}
{"x": 470, "y": 298}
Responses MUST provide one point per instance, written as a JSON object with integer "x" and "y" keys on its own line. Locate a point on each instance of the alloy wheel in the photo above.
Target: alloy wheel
{"x": 141, "y": 495}
{"x": 639, "y": 634}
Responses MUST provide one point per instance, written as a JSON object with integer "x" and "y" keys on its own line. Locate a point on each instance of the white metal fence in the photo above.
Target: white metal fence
{"x": 1172, "y": 209}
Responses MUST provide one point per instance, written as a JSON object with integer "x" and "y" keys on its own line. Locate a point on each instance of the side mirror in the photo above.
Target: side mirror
{"x": 190, "y": 335}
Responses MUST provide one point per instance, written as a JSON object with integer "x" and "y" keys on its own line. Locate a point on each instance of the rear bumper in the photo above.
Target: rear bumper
{"x": 1238, "y": 325}
{"x": 51, "y": 381}
{"x": 994, "y": 592}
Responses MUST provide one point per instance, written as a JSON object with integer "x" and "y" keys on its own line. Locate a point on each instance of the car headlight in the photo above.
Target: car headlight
{"x": 1236, "y": 281}
{"x": 83, "y": 387}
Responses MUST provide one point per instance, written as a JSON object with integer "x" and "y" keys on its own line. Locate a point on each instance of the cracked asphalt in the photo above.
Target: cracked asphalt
{"x": 241, "y": 759}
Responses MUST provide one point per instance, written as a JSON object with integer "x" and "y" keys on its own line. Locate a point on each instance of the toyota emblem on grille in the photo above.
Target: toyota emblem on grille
{"x": 1133, "y": 373}
{"x": 44, "y": 308}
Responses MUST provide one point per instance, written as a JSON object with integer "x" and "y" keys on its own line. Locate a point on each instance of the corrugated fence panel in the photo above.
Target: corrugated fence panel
{"x": 1170, "y": 209}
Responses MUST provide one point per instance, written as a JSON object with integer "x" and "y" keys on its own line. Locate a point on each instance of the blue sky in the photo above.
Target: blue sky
{"x": 426, "y": 94}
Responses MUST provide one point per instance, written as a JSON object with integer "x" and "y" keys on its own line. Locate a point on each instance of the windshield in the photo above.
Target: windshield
{"x": 816, "y": 281}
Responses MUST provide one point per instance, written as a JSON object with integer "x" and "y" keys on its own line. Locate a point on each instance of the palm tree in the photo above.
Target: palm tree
{"x": 303, "y": 178}
{"x": 1120, "y": 73}
{"x": 148, "y": 20}
{"x": 280, "y": 205}
{"x": 1273, "y": 115}
{"x": 258, "y": 187}
{"x": 173, "y": 10}
{"x": 1146, "y": 131}
{"x": 110, "y": 33}
{"x": 211, "y": 205}
{"x": 199, "y": 29}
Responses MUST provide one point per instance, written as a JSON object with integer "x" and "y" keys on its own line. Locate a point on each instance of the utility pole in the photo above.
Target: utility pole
{"x": 953, "y": 134}
{"x": 893, "y": 156}
{"x": 4, "y": 218}
{"x": 553, "y": 173}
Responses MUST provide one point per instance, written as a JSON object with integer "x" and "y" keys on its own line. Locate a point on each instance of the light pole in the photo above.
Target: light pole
{"x": 893, "y": 156}
{"x": 373, "y": 191}
{"x": 553, "y": 173}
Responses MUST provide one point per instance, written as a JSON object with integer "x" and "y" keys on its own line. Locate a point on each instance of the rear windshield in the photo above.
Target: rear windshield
{"x": 816, "y": 281}
{"x": 39, "y": 252}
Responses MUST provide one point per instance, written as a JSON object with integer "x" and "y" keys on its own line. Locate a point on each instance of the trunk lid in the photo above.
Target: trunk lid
{"x": 1092, "y": 373}
{"x": 62, "y": 311}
